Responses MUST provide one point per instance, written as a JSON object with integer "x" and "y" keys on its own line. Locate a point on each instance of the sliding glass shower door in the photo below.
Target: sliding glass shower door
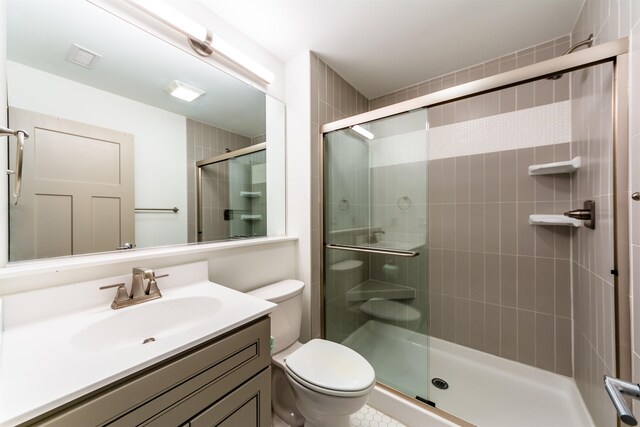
{"x": 375, "y": 259}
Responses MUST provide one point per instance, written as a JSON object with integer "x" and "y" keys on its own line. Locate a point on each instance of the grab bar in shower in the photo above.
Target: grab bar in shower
{"x": 20, "y": 135}
{"x": 370, "y": 250}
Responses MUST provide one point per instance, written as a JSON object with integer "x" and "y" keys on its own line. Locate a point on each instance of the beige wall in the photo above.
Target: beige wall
{"x": 498, "y": 284}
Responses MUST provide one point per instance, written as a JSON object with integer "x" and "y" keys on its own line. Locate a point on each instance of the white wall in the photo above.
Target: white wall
{"x": 159, "y": 143}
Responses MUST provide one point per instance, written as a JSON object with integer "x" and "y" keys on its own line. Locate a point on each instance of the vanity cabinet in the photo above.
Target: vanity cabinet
{"x": 222, "y": 382}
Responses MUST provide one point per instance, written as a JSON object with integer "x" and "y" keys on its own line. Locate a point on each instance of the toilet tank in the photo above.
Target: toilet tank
{"x": 286, "y": 318}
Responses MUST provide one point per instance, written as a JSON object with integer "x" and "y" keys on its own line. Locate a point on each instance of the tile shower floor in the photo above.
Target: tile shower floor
{"x": 365, "y": 417}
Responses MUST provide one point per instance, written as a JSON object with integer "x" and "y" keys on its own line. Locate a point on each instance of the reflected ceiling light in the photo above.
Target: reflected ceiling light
{"x": 200, "y": 38}
{"x": 183, "y": 91}
{"x": 362, "y": 131}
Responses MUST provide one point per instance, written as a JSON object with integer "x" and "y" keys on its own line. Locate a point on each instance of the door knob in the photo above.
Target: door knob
{"x": 636, "y": 196}
{"x": 586, "y": 214}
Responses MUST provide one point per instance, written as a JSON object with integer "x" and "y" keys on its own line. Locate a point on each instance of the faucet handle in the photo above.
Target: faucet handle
{"x": 121, "y": 293}
{"x": 153, "y": 285}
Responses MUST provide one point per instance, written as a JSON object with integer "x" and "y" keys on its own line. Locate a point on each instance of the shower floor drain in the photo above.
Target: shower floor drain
{"x": 440, "y": 383}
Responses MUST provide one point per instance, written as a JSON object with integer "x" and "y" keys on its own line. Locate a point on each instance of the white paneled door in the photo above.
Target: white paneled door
{"x": 77, "y": 189}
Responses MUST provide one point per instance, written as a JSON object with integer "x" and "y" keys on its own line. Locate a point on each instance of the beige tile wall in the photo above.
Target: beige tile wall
{"x": 332, "y": 98}
{"x": 498, "y": 284}
{"x": 593, "y": 284}
{"x": 524, "y": 96}
{"x": 204, "y": 141}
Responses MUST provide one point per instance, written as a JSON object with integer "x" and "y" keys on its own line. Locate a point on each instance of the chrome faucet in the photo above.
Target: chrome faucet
{"x": 138, "y": 291}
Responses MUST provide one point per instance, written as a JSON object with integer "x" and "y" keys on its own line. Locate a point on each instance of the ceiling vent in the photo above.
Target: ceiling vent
{"x": 82, "y": 56}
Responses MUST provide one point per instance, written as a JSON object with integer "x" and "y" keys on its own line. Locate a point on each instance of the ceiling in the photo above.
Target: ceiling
{"x": 380, "y": 46}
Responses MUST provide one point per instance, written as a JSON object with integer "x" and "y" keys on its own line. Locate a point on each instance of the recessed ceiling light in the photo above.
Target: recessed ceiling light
{"x": 82, "y": 56}
{"x": 362, "y": 131}
{"x": 183, "y": 91}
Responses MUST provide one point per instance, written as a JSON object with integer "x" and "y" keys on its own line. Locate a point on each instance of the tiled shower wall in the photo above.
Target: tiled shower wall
{"x": 524, "y": 96}
{"x": 205, "y": 141}
{"x": 498, "y": 284}
{"x": 593, "y": 298}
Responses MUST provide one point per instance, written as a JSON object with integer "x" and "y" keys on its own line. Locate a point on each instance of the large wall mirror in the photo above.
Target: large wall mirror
{"x": 133, "y": 142}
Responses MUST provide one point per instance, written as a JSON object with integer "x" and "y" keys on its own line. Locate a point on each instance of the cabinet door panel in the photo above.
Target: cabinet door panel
{"x": 247, "y": 406}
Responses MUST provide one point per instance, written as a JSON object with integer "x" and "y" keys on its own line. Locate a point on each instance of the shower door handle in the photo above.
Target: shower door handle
{"x": 616, "y": 388}
{"x": 370, "y": 250}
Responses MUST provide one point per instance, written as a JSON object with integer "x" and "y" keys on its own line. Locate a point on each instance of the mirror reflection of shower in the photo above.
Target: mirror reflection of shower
{"x": 232, "y": 195}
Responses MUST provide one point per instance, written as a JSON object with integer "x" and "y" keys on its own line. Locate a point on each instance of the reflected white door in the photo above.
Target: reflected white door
{"x": 77, "y": 188}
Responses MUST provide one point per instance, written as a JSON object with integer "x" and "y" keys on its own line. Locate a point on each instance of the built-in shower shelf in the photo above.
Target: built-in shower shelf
{"x": 348, "y": 265}
{"x": 553, "y": 220}
{"x": 251, "y": 194}
{"x": 246, "y": 217}
{"x": 376, "y": 289}
{"x": 568, "y": 166}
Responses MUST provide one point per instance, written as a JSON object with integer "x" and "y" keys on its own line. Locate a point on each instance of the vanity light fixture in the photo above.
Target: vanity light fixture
{"x": 183, "y": 91}
{"x": 200, "y": 38}
{"x": 362, "y": 131}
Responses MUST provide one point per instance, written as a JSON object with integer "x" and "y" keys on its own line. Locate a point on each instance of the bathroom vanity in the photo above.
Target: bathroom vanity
{"x": 223, "y": 382}
{"x": 197, "y": 356}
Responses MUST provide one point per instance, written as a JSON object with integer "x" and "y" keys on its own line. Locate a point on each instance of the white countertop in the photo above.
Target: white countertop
{"x": 40, "y": 366}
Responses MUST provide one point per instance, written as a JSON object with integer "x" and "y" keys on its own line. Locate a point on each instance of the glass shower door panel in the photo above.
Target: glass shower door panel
{"x": 375, "y": 200}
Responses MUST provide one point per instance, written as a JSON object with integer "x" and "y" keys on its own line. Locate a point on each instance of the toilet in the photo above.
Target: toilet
{"x": 317, "y": 384}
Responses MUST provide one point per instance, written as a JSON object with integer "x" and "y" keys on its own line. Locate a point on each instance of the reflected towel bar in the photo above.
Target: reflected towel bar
{"x": 173, "y": 209}
{"x": 370, "y": 250}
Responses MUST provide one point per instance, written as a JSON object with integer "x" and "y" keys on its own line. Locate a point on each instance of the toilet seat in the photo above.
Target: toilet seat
{"x": 330, "y": 368}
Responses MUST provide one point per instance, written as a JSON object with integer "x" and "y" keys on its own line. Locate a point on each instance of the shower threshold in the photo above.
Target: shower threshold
{"x": 484, "y": 389}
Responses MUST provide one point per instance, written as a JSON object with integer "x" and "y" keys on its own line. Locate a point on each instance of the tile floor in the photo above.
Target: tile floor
{"x": 365, "y": 417}
{"x": 371, "y": 417}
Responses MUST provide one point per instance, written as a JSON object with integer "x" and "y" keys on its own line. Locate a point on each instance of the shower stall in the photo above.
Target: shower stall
{"x": 231, "y": 195}
{"x": 448, "y": 261}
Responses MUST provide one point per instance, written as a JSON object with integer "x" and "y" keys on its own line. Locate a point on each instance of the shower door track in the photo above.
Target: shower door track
{"x": 615, "y": 52}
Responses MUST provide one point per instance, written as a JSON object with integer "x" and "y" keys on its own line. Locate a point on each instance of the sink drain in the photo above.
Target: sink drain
{"x": 440, "y": 383}
{"x": 148, "y": 340}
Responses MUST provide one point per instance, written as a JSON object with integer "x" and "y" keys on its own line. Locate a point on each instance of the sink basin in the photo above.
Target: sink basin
{"x": 150, "y": 321}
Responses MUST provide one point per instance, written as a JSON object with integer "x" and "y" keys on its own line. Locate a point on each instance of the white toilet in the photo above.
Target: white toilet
{"x": 320, "y": 383}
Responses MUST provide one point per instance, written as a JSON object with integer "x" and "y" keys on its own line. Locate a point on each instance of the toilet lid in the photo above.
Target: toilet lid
{"x": 331, "y": 366}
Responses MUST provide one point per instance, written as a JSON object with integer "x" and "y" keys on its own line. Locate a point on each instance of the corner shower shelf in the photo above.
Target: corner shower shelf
{"x": 245, "y": 217}
{"x": 348, "y": 265}
{"x": 568, "y": 166}
{"x": 376, "y": 289}
{"x": 251, "y": 194}
{"x": 553, "y": 220}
